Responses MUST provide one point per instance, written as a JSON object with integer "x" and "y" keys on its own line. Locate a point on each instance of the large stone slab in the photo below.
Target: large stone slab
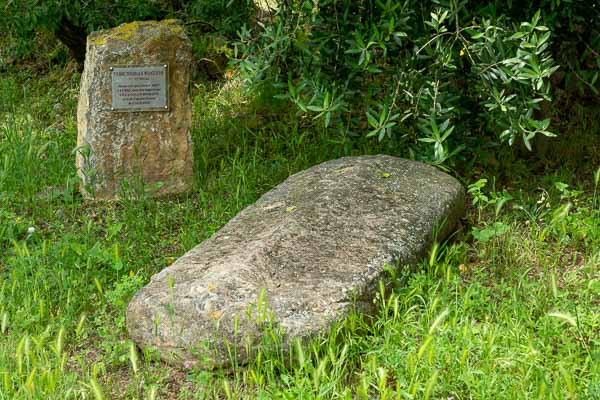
{"x": 315, "y": 246}
{"x": 148, "y": 141}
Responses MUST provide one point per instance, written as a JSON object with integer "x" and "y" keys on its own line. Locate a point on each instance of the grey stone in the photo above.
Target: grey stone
{"x": 152, "y": 147}
{"x": 315, "y": 246}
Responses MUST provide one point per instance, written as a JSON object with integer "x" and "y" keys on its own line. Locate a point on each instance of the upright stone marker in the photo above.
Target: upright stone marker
{"x": 134, "y": 113}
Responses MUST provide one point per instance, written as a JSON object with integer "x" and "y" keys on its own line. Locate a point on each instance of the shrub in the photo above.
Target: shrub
{"x": 437, "y": 77}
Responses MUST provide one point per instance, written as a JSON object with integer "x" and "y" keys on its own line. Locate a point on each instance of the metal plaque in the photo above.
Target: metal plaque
{"x": 140, "y": 88}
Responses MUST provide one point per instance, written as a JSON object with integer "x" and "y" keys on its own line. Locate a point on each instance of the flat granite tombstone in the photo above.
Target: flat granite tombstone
{"x": 134, "y": 112}
{"x": 303, "y": 256}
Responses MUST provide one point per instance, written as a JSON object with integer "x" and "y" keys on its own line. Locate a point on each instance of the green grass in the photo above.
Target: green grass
{"x": 507, "y": 309}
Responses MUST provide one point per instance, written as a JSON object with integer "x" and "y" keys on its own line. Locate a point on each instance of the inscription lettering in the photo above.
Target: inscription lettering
{"x": 139, "y": 88}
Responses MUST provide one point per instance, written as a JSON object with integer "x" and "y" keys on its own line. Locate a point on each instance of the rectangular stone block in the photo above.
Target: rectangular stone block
{"x": 134, "y": 112}
{"x": 311, "y": 250}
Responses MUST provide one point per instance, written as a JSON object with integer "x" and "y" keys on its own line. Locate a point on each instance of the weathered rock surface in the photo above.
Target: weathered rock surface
{"x": 151, "y": 146}
{"x": 315, "y": 246}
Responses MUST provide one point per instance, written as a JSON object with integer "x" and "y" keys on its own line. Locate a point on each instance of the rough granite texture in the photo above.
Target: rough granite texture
{"x": 153, "y": 146}
{"x": 315, "y": 246}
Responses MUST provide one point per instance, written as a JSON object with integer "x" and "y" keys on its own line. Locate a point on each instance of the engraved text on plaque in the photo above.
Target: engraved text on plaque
{"x": 140, "y": 88}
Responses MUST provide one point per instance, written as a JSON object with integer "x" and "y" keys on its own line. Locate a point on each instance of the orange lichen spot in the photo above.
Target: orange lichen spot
{"x": 215, "y": 314}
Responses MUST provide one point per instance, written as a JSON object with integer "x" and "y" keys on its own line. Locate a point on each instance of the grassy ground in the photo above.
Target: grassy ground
{"x": 508, "y": 309}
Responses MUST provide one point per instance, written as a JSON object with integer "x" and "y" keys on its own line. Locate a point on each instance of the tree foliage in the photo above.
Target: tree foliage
{"x": 436, "y": 76}
{"x": 72, "y": 20}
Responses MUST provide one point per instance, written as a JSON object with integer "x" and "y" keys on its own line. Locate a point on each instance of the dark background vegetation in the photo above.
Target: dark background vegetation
{"x": 447, "y": 80}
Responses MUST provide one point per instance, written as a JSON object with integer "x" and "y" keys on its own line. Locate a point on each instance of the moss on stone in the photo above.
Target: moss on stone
{"x": 97, "y": 39}
{"x": 127, "y": 31}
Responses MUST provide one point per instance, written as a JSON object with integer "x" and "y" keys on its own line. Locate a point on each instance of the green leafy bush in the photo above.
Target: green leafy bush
{"x": 437, "y": 77}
